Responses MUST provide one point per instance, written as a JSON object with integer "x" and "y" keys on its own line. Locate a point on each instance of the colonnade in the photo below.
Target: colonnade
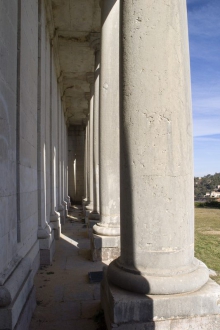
{"x": 146, "y": 203}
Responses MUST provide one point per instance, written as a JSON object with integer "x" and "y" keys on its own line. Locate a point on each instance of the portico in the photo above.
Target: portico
{"x": 96, "y": 109}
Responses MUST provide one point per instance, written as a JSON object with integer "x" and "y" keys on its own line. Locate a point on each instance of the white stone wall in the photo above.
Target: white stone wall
{"x": 8, "y": 85}
{"x": 28, "y": 125}
{"x": 19, "y": 247}
{"x": 30, "y": 100}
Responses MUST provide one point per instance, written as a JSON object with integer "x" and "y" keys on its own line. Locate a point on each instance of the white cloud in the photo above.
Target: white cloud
{"x": 207, "y": 138}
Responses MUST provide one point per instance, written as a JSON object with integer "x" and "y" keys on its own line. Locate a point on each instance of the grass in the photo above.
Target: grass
{"x": 207, "y": 238}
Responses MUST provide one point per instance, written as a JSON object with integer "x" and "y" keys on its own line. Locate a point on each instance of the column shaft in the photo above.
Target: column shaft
{"x": 44, "y": 230}
{"x": 109, "y": 122}
{"x": 64, "y": 199}
{"x": 156, "y": 167}
{"x": 66, "y": 196}
{"x": 85, "y": 197}
{"x": 90, "y": 205}
{"x": 54, "y": 215}
{"x": 95, "y": 211}
{"x": 86, "y": 164}
{"x": 60, "y": 144}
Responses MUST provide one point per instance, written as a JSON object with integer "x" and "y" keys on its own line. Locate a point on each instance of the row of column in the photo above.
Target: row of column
{"x": 147, "y": 100}
{"x": 53, "y": 200}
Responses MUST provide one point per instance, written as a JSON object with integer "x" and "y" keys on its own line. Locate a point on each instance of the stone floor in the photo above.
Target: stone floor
{"x": 65, "y": 298}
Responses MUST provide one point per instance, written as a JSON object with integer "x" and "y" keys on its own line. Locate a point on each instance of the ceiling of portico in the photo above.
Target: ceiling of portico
{"x": 74, "y": 21}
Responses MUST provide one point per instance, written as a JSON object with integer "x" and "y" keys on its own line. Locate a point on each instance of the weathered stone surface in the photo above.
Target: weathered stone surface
{"x": 46, "y": 254}
{"x": 123, "y": 308}
{"x": 67, "y": 298}
{"x": 156, "y": 166}
{"x": 105, "y": 248}
{"x": 25, "y": 317}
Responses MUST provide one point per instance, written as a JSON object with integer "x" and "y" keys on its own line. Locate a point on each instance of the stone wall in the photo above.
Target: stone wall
{"x": 76, "y": 141}
{"x": 8, "y": 86}
{"x": 31, "y": 123}
{"x": 28, "y": 126}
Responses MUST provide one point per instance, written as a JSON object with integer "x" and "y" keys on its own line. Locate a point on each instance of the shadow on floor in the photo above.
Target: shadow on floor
{"x": 63, "y": 291}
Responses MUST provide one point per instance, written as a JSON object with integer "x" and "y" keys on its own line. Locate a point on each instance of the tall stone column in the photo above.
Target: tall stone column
{"x": 67, "y": 197}
{"x": 61, "y": 208}
{"x": 44, "y": 233}
{"x": 86, "y": 160}
{"x": 95, "y": 43}
{"x": 89, "y": 207}
{"x": 84, "y": 165}
{"x": 54, "y": 215}
{"x": 106, "y": 239}
{"x": 64, "y": 201}
{"x": 156, "y": 176}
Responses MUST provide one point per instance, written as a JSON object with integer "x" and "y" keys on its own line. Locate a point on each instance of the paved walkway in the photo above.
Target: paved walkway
{"x": 65, "y": 298}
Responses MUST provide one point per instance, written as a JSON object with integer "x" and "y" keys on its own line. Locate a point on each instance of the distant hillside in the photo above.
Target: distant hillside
{"x": 205, "y": 184}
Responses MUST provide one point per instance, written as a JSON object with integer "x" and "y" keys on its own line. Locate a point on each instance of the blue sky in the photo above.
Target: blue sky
{"x": 204, "y": 36}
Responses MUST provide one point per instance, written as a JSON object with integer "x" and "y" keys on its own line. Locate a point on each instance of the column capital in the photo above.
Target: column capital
{"x": 86, "y": 112}
{"x": 90, "y": 77}
{"x": 85, "y": 121}
{"x": 87, "y": 96}
{"x": 94, "y": 40}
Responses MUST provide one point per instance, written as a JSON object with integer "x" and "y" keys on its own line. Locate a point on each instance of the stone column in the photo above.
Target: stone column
{"x": 67, "y": 197}
{"x": 54, "y": 215}
{"x": 86, "y": 161}
{"x": 44, "y": 234}
{"x": 156, "y": 175}
{"x": 84, "y": 167}
{"x": 89, "y": 207}
{"x": 95, "y": 43}
{"x": 61, "y": 208}
{"x": 106, "y": 239}
{"x": 64, "y": 149}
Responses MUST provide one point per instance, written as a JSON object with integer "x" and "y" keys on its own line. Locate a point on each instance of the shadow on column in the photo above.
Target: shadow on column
{"x": 130, "y": 306}
{"x": 95, "y": 175}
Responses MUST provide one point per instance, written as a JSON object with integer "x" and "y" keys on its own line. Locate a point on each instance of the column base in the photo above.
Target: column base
{"x": 106, "y": 230}
{"x": 105, "y": 248}
{"x": 67, "y": 199}
{"x": 85, "y": 202}
{"x": 65, "y": 205}
{"x": 62, "y": 212}
{"x": 190, "y": 279}
{"x": 87, "y": 213}
{"x": 94, "y": 216}
{"x": 89, "y": 207}
{"x": 55, "y": 224}
{"x": 46, "y": 244}
{"x": 47, "y": 249}
{"x": 125, "y": 310}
